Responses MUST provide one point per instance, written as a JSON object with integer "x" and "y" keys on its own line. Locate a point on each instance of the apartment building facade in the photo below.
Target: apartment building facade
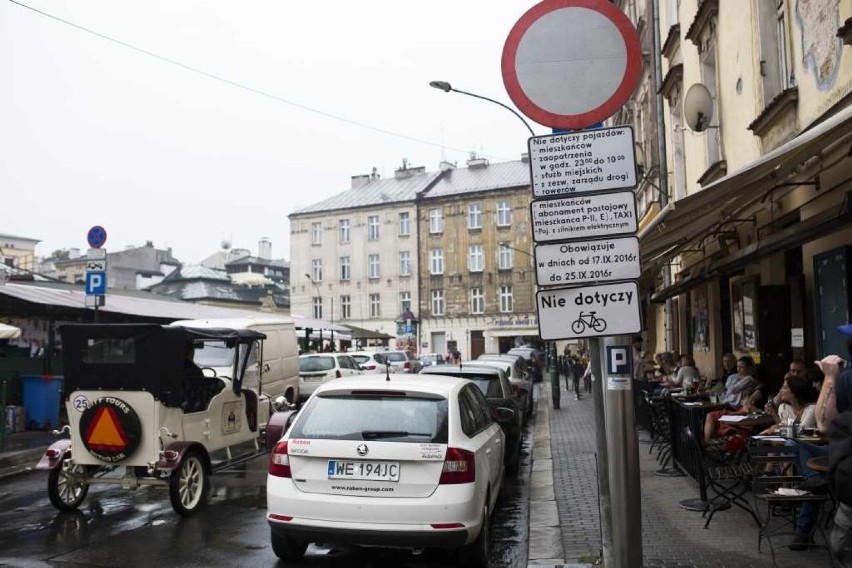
{"x": 756, "y": 226}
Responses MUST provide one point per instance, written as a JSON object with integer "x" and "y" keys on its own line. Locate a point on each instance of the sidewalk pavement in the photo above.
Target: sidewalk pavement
{"x": 564, "y": 517}
{"x": 22, "y": 451}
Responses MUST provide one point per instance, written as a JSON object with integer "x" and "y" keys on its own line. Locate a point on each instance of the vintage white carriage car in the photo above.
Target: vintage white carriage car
{"x": 132, "y": 404}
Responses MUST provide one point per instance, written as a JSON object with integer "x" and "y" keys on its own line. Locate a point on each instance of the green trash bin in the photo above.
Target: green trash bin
{"x": 41, "y": 394}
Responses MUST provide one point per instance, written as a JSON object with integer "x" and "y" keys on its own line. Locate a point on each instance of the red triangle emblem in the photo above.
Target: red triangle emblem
{"x": 105, "y": 432}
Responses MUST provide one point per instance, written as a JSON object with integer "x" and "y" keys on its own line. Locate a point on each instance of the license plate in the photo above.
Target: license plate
{"x": 311, "y": 379}
{"x": 372, "y": 471}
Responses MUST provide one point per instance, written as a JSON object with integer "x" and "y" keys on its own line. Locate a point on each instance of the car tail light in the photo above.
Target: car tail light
{"x": 406, "y": 366}
{"x": 459, "y": 467}
{"x": 279, "y": 461}
{"x": 338, "y": 374}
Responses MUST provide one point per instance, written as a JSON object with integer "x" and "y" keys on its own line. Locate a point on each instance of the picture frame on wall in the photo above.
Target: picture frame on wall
{"x": 744, "y": 313}
{"x": 699, "y": 320}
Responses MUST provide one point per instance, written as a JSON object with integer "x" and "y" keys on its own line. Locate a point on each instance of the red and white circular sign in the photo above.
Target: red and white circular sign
{"x": 571, "y": 63}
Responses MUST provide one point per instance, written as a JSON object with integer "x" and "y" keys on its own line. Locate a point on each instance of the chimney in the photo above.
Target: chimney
{"x": 525, "y": 157}
{"x": 406, "y": 172}
{"x": 474, "y": 162}
{"x": 444, "y": 165}
{"x": 264, "y": 249}
{"x": 360, "y": 181}
{"x": 73, "y": 253}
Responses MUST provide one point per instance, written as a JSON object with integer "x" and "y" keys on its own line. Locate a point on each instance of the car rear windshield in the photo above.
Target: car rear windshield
{"x": 490, "y": 387}
{"x": 319, "y": 363}
{"x": 359, "y": 417}
{"x": 361, "y": 358}
{"x": 396, "y": 357}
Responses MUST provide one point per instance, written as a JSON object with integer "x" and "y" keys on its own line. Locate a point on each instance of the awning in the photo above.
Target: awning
{"x": 684, "y": 220}
{"x": 361, "y": 333}
{"x": 320, "y": 328}
{"x": 9, "y": 331}
{"x": 820, "y": 225}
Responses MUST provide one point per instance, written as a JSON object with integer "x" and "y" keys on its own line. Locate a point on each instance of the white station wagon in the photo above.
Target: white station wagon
{"x": 412, "y": 462}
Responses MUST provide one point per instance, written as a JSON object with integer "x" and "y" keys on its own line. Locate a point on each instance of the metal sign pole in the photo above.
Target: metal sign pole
{"x": 604, "y": 501}
{"x": 623, "y": 453}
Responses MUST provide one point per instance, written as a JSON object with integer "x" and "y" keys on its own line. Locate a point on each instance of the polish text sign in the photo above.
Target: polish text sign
{"x": 582, "y": 217}
{"x": 589, "y": 311}
{"x": 577, "y": 162}
{"x": 578, "y": 262}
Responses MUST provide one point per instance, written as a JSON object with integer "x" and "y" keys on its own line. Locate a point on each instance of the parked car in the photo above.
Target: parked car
{"x": 432, "y": 359}
{"x": 370, "y": 361}
{"x": 534, "y": 358}
{"x": 521, "y": 383}
{"x": 318, "y": 368}
{"x": 402, "y": 361}
{"x": 413, "y": 462}
{"x": 497, "y": 388}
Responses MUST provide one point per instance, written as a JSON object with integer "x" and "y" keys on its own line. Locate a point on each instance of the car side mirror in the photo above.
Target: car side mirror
{"x": 502, "y": 414}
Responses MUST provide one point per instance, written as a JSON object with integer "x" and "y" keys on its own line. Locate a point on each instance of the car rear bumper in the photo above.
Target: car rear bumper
{"x": 414, "y": 537}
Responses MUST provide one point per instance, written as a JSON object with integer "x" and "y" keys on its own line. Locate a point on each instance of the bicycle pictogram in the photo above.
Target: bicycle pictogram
{"x": 588, "y": 319}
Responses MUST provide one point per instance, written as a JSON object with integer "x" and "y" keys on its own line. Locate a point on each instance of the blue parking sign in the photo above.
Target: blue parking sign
{"x": 96, "y": 283}
{"x": 618, "y": 360}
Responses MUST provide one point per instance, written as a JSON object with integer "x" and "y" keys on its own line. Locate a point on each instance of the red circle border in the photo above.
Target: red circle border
{"x": 601, "y": 112}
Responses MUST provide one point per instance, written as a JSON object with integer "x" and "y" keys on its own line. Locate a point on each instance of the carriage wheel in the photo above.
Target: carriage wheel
{"x": 189, "y": 484}
{"x": 64, "y": 487}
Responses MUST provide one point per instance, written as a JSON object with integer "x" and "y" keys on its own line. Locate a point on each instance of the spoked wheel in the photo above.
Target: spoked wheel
{"x": 189, "y": 484}
{"x": 64, "y": 485}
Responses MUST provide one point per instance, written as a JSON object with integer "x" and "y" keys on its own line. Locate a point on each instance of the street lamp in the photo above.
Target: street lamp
{"x": 446, "y": 87}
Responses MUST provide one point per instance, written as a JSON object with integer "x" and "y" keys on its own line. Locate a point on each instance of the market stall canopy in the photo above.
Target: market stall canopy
{"x": 361, "y": 333}
{"x": 320, "y": 328}
{"x": 9, "y": 331}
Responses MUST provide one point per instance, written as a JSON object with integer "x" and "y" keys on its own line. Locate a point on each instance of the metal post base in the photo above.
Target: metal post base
{"x": 668, "y": 472}
{"x": 700, "y": 506}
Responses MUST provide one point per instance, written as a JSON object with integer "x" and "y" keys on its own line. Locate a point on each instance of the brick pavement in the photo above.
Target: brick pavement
{"x": 672, "y": 537}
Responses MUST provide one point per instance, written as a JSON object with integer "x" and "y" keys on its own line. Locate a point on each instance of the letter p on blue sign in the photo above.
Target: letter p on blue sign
{"x": 618, "y": 360}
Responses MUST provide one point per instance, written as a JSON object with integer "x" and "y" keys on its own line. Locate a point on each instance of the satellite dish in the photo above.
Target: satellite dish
{"x": 698, "y": 108}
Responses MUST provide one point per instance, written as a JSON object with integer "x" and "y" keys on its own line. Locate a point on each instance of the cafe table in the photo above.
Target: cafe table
{"x": 689, "y": 412}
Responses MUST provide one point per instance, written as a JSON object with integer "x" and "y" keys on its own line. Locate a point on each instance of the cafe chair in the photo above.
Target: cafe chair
{"x": 777, "y": 468}
{"x": 661, "y": 435}
{"x": 728, "y": 481}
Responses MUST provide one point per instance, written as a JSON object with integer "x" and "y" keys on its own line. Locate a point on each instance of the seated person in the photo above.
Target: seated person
{"x": 194, "y": 382}
{"x": 686, "y": 376}
{"x": 729, "y": 367}
{"x": 741, "y": 392}
{"x": 797, "y": 405}
{"x": 798, "y": 368}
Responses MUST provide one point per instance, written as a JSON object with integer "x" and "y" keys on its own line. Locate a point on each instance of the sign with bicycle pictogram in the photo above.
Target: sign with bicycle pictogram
{"x": 589, "y": 311}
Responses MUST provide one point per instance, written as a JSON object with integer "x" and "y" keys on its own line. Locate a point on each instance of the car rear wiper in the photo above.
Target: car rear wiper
{"x": 374, "y": 434}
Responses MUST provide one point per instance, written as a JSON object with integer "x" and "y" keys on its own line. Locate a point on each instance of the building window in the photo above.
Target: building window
{"x": 345, "y": 268}
{"x": 404, "y": 224}
{"x": 405, "y": 301}
{"x": 437, "y": 302}
{"x": 504, "y": 214}
{"x": 316, "y": 270}
{"x": 316, "y": 233}
{"x": 474, "y": 216}
{"x": 375, "y": 306}
{"x": 474, "y": 258}
{"x": 373, "y": 228}
{"x": 477, "y": 301}
{"x": 437, "y": 261}
{"x": 344, "y": 230}
{"x": 436, "y": 221}
{"x": 504, "y": 257}
{"x": 373, "y": 263}
{"x": 506, "y": 301}
{"x": 317, "y": 305}
{"x": 345, "y": 307}
{"x": 781, "y": 46}
{"x": 405, "y": 263}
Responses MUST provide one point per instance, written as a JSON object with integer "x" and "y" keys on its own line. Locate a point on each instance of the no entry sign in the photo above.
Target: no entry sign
{"x": 569, "y": 64}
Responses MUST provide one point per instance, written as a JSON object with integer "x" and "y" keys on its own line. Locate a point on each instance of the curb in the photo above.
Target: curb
{"x": 18, "y": 462}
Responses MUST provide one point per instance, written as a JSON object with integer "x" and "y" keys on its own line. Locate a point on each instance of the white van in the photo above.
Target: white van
{"x": 279, "y": 354}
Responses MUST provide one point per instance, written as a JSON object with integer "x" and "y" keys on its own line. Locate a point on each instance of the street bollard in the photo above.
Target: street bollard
{"x": 553, "y": 373}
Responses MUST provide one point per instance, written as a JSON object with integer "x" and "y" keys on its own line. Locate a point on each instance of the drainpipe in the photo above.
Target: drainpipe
{"x": 663, "y": 161}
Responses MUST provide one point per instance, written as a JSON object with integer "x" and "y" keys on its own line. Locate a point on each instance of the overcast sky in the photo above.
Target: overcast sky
{"x": 94, "y": 132}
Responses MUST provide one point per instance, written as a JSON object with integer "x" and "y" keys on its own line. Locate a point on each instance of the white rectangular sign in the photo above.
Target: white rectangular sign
{"x": 96, "y": 254}
{"x": 576, "y": 162}
{"x": 96, "y": 265}
{"x": 589, "y": 311}
{"x": 602, "y": 215}
{"x": 578, "y": 262}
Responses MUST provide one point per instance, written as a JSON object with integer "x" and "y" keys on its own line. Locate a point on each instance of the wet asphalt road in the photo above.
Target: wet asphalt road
{"x": 138, "y": 528}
